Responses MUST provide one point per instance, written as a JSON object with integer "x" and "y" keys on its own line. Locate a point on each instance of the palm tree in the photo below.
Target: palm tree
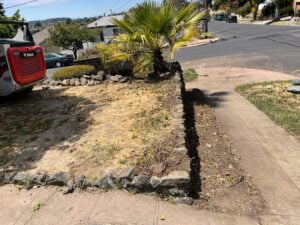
{"x": 150, "y": 27}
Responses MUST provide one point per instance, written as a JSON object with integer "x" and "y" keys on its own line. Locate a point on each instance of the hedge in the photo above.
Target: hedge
{"x": 73, "y": 72}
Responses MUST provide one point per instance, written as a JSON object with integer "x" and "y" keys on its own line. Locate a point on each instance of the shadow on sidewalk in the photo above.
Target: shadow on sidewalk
{"x": 214, "y": 99}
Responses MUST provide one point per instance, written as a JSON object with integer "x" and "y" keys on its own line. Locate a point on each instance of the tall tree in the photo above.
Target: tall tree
{"x": 67, "y": 35}
{"x": 2, "y": 11}
{"x": 9, "y": 31}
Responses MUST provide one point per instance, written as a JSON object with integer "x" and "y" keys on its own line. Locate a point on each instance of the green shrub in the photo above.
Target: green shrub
{"x": 73, "y": 72}
{"x": 287, "y": 11}
{"x": 244, "y": 10}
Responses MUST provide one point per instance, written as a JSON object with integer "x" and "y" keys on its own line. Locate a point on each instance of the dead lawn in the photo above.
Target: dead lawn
{"x": 85, "y": 130}
{"x": 273, "y": 99}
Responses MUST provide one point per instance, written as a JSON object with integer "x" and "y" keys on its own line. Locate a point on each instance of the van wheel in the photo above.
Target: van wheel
{"x": 58, "y": 64}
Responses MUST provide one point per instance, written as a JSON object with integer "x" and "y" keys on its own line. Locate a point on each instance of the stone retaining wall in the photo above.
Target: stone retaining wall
{"x": 176, "y": 183}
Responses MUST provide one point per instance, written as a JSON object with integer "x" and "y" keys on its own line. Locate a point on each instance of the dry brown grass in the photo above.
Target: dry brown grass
{"x": 83, "y": 130}
{"x": 273, "y": 99}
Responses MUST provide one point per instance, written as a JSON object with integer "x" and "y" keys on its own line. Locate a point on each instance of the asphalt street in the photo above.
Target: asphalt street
{"x": 267, "y": 47}
{"x": 251, "y": 46}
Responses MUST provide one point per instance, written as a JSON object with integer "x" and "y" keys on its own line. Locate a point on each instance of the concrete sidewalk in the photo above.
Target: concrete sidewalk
{"x": 111, "y": 208}
{"x": 268, "y": 153}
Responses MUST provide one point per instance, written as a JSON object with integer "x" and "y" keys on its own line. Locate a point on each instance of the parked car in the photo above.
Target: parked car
{"x": 231, "y": 19}
{"x": 220, "y": 17}
{"x": 58, "y": 60}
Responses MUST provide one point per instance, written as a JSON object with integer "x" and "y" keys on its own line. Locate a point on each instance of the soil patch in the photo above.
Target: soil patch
{"x": 222, "y": 185}
{"x": 86, "y": 130}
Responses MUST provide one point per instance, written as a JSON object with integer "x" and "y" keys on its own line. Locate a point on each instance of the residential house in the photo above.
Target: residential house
{"x": 296, "y": 6}
{"x": 107, "y": 27}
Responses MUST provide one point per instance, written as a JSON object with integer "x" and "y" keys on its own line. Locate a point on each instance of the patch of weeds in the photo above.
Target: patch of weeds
{"x": 27, "y": 182}
{"x": 102, "y": 152}
{"x": 189, "y": 75}
{"x": 149, "y": 121}
{"x": 273, "y": 99}
{"x": 122, "y": 161}
{"x": 36, "y": 207}
{"x": 207, "y": 35}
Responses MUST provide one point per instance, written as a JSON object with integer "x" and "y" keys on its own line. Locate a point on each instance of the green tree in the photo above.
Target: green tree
{"x": 66, "y": 35}
{"x": 37, "y": 25}
{"x": 2, "y": 11}
{"x": 150, "y": 27}
{"x": 9, "y": 31}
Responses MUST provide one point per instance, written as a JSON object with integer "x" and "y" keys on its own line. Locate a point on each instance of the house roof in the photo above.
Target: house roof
{"x": 105, "y": 21}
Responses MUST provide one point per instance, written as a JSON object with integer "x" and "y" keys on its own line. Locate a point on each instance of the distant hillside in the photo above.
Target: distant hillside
{"x": 48, "y": 22}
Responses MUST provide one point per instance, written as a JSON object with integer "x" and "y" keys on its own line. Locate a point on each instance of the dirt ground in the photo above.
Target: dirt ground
{"x": 85, "y": 130}
{"x": 223, "y": 185}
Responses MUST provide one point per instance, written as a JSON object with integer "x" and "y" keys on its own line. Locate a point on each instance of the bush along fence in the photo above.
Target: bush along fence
{"x": 176, "y": 183}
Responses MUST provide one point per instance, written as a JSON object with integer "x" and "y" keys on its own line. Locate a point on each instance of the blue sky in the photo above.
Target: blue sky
{"x": 44, "y": 9}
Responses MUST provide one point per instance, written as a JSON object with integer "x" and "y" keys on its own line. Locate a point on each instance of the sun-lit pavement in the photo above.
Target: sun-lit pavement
{"x": 268, "y": 153}
{"x": 110, "y": 208}
{"x": 274, "y": 48}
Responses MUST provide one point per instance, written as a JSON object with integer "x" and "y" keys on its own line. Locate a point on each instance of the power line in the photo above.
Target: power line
{"x": 126, "y": 3}
{"x": 24, "y": 3}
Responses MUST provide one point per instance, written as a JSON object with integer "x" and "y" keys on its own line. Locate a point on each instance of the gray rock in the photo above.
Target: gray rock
{"x": 175, "y": 179}
{"x": 184, "y": 200}
{"x": 141, "y": 183}
{"x": 59, "y": 179}
{"x": 101, "y": 73}
{"x": 66, "y": 82}
{"x": 39, "y": 179}
{"x": 83, "y": 81}
{"x": 105, "y": 181}
{"x": 90, "y": 83}
{"x": 98, "y": 77}
{"x": 77, "y": 82}
{"x": 70, "y": 187}
{"x": 97, "y": 82}
{"x": 53, "y": 82}
{"x": 72, "y": 82}
{"x": 125, "y": 174}
{"x": 58, "y": 82}
{"x": 181, "y": 150}
{"x": 87, "y": 76}
{"x": 46, "y": 82}
{"x": 124, "y": 80}
{"x": 116, "y": 78}
{"x": 294, "y": 90}
{"x": 295, "y": 82}
{"x": 178, "y": 192}
{"x": 8, "y": 177}
{"x": 81, "y": 182}
{"x": 155, "y": 181}
{"x": 20, "y": 178}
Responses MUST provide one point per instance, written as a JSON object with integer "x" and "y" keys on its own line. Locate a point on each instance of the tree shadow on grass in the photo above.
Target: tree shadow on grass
{"x": 32, "y": 124}
{"x": 196, "y": 97}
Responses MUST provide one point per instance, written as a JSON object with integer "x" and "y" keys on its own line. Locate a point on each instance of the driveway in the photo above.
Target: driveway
{"x": 274, "y": 48}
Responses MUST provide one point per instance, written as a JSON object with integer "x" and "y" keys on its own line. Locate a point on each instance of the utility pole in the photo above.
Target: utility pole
{"x": 205, "y": 22}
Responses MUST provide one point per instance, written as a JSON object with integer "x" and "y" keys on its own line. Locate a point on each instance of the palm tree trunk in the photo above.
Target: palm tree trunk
{"x": 158, "y": 62}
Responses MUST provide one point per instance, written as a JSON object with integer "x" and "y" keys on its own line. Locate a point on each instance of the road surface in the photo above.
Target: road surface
{"x": 251, "y": 46}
